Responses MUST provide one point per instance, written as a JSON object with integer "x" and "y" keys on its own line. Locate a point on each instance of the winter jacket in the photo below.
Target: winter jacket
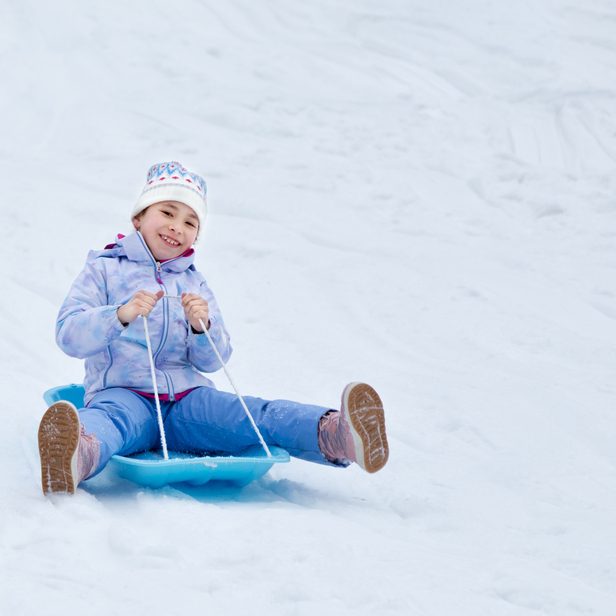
{"x": 116, "y": 355}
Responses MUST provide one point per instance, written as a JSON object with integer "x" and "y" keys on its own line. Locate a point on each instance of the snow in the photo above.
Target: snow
{"x": 419, "y": 195}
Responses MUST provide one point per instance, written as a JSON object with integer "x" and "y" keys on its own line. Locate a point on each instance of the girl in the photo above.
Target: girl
{"x": 150, "y": 273}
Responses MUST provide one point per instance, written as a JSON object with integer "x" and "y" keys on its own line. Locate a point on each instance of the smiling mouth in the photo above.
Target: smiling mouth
{"x": 169, "y": 241}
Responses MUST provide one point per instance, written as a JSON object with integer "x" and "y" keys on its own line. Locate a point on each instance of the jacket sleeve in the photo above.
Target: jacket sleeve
{"x": 86, "y": 325}
{"x": 200, "y": 352}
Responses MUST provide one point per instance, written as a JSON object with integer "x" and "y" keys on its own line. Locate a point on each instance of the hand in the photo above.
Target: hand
{"x": 141, "y": 304}
{"x": 195, "y": 308}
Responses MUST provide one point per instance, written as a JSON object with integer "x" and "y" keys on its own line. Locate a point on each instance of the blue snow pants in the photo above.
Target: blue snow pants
{"x": 205, "y": 420}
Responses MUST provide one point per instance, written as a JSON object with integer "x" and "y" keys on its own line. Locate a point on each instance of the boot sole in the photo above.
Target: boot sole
{"x": 58, "y": 438}
{"x": 366, "y": 418}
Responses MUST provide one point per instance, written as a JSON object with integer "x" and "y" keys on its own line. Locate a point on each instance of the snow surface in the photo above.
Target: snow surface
{"x": 416, "y": 194}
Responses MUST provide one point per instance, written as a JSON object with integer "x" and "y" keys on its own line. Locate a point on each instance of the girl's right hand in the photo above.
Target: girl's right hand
{"x": 141, "y": 304}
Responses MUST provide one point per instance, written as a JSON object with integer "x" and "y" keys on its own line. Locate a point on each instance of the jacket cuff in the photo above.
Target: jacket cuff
{"x": 114, "y": 326}
{"x": 200, "y": 339}
{"x": 196, "y": 333}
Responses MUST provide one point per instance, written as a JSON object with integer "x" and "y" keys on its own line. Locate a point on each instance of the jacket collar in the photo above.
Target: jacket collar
{"x": 135, "y": 249}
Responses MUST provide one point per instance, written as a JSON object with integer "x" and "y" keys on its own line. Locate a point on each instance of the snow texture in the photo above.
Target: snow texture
{"x": 416, "y": 194}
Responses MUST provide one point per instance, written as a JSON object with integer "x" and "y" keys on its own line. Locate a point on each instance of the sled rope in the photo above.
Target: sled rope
{"x": 159, "y": 414}
{"x": 248, "y": 413}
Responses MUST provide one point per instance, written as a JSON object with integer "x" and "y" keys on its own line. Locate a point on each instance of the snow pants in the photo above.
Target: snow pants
{"x": 205, "y": 420}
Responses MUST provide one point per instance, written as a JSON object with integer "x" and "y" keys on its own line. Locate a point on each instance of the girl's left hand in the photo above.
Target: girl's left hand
{"x": 195, "y": 308}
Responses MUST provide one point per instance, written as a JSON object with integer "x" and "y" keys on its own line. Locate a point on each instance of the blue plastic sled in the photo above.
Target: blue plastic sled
{"x": 152, "y": 470}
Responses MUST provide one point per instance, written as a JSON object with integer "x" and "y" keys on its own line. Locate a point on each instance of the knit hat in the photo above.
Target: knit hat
{"x": 172, "y": 182}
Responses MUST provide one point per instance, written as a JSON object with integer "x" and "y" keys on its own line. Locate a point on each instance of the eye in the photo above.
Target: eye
{"x": 166, "y": 212}
{"x": 191, "y": 224}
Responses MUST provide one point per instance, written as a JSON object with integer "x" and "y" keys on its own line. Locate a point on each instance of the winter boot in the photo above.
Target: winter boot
{"x": 357, "y": 432}
{"x": 68, "y": 454}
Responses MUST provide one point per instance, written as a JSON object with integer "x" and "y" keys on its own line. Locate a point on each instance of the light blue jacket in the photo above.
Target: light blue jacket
{"x": 116, "y": 356}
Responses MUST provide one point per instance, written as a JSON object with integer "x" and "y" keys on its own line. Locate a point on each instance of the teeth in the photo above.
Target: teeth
{"x": 170, "y": 241}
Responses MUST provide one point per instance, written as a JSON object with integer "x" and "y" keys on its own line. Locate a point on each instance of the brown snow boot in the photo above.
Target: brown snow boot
{"x": 357, "y": 432}
{"x": 68, "y": 454}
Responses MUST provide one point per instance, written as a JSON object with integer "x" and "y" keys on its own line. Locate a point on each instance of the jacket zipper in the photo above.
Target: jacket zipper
{"x": 166, "y": 319}
{"x": 163, "y": 339}
{"x": 159, "y": 280}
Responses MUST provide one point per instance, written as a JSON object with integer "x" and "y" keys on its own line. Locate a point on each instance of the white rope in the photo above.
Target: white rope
{"x": 159, "y": 414}
{"x": 248, "y": 413}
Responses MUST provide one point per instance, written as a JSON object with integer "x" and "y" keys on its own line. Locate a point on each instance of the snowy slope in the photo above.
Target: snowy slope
{"x": 416, "y": 194}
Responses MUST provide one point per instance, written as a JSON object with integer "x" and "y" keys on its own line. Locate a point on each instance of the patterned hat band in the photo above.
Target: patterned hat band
{"x": 173, "y": 182}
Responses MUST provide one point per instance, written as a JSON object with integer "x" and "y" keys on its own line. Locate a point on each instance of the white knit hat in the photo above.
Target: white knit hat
{"x": 172, "y": 182}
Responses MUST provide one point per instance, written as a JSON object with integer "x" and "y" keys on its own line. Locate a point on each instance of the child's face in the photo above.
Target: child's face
{"x": 169, "y": 228}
